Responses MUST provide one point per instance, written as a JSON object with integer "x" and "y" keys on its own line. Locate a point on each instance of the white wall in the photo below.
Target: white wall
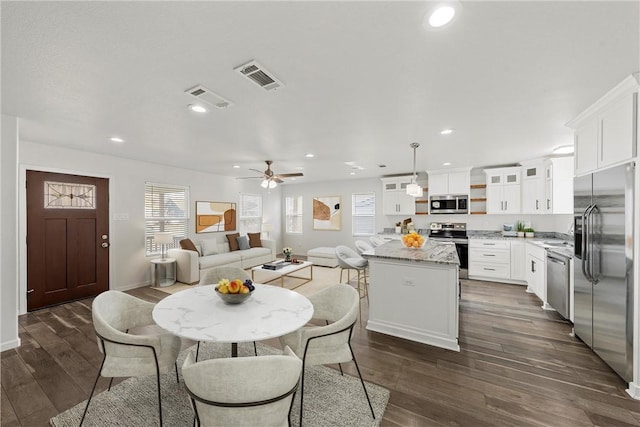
{"x": 129, "y": 267}
{"x": 8, "y": 234}
{"x": 311, "y": 238}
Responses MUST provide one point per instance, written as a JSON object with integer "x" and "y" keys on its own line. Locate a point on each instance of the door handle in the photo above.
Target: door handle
{"x": 105, "y": 245}
{"x": 548, "y": 204}
{"x": 595, "y": 277}
{"x": 506, "y": 205}
{"x": 501, "y": 205}
{"x": 537, "y": 205}
{"x": 488, "y": 255}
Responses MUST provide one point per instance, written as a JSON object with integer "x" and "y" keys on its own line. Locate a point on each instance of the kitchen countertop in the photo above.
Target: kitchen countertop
{"x": 431, "y": 252}
{"x": 540, "y": 240}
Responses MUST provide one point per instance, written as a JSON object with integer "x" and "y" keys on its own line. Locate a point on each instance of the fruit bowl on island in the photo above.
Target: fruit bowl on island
{"x": 413, "y": 240}
{"x": 234, "y": 291}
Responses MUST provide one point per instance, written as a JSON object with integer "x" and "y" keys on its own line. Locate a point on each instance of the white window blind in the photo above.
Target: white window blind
{"x": 293, "y": 214}
{"x": 250, "y": 213}
{"x": 363, "y": 214}
{"x": 166, "y": 208}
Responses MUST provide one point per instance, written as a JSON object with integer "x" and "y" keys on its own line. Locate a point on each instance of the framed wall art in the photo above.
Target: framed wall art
{"x": 215, "y": 216}
{"x": 327, "y": 213}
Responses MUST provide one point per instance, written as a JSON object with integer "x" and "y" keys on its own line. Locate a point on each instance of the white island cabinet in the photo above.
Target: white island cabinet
{"x": 413, "y": 293}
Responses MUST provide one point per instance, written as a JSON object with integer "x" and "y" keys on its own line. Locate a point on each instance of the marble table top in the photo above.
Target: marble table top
{"x": 200, "y": 315}
{"x": 432, "y": 251}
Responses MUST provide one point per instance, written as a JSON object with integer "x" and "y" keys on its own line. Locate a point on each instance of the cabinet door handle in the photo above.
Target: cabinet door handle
{"x": 548, "y": 204}
{"x": 506, "y": 204}
{"x": 501, "y": 206}
{"x": 489, "y": 269}
{"x": 533, "y": 266}
{"x": 489, "y": 244}
{"x": 488, "y": 255}
{"x": 537, "y": 204}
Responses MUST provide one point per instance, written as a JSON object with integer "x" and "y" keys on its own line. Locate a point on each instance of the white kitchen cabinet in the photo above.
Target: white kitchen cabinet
{"x": 503, "y": 190}
{"x": 395, "y": 200}
{"x": 536, "y": 271}
{"x": 449, "y": 181}
{"x": 499, "y": 260}
{"x": 547, "y": 186}
{"x": 606, "y": 133}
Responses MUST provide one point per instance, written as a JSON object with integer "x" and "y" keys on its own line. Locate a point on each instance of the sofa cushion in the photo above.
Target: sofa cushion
{"x": 188, "y": 245}
{"x": 209, "y": 247}
{"x": 243, "y": 242}
{"x": 254, "y": 253}
{"x": 219, "y": 259}
{"x": 233, "y": 241}
{"x": 254, "y": 240}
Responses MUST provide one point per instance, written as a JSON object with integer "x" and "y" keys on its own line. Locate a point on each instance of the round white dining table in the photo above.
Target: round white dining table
{"x": 199, "y": 314}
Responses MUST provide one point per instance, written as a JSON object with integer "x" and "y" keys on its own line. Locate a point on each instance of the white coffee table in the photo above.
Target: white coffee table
{"x": 283, "y": 272}
{"x": 199, "y": 314}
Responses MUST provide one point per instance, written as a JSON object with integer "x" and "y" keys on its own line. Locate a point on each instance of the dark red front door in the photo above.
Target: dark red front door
{"x": 67, "y": 238}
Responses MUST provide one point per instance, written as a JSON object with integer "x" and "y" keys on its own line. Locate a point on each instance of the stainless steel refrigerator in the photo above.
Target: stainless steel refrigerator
{"x": 603, "y": 265}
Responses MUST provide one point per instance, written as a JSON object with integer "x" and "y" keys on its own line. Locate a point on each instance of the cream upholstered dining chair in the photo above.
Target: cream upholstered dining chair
{"x": 348, "y": 259}
{"x": 321, "y": 345}
{"x": 377, "y": 241}
{"x": 242, "y": 391}
{"x": 213, "y": 276}
{"x": 363, "y": 246}
{"x": 129, "y": 355}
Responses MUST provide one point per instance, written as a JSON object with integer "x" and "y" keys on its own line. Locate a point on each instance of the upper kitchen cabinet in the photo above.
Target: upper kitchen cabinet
{"x": 395, "y": 200}
{"x": 449, "y": 181}
{"x": 547, "y": 186}
{"x": 606, "y": 133}
{"x": 503, "y": 190}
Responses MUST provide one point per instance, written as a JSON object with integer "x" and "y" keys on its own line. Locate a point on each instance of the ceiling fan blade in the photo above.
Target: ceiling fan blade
{"x": 289, "y": 175}
{"x": 277, "y": 179}
{"x": 249, "y": 177}
{"x": 256, "y": 170}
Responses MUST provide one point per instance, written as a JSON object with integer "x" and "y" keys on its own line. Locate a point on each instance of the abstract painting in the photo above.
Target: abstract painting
{"x": 326, "y": 213}
{"x": 215, "y": 216}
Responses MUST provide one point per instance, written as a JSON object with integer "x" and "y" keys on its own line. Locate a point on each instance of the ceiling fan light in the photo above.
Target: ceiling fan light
{"x": 272, "y": 184}
{"x": 264, "y": 183}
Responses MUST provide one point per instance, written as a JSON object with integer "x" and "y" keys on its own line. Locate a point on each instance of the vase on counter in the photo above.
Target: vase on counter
{"x": 398, "y": 230}
{"x": 520, "y": 233}
{"x": 529, "y": 234}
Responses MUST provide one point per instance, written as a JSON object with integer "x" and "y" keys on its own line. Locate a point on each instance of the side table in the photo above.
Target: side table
{"x": 163, "y": 272}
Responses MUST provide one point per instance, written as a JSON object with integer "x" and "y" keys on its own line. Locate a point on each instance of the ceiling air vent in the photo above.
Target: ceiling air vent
{"x": 259, "y": 75}
{"x": 210, "y": 97}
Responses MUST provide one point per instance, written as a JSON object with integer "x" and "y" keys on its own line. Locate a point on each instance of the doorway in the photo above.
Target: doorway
{"x": 67, "y": 238}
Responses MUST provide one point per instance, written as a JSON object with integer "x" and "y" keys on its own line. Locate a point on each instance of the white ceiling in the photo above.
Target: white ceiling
{"x": 362, "y": 80}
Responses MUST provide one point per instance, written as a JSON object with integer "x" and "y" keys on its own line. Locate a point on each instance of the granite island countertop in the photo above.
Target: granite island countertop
{"x": 431, "y": 252}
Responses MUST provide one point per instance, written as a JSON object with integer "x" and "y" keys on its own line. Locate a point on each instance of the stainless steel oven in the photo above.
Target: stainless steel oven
{"x": 455, "y": 233}
{"x": 450, "y": 204}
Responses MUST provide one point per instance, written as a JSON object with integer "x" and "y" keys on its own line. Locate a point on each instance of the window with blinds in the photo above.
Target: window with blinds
{"x": 166, "y": 208}
{"x": 293, "y": 214}
{"x": 250, "y": 213}
{"x": 363, "y": 214}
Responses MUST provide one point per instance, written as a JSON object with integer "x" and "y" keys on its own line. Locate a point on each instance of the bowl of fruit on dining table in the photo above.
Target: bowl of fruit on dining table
{"x": 234, "y": 291}
{"x": 413, "y": 240}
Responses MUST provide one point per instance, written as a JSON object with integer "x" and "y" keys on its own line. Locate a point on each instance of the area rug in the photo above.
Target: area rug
{"x": 330, "y": 399}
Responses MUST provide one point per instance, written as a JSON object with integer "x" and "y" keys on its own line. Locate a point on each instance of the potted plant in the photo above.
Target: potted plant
{"x": 520, "y": 228}
{"x": 528, "y": 232}
{"x": 398, "y": 227}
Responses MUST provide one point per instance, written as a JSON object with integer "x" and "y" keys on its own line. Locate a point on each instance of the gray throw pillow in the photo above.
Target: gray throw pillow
{"x": 243, "y": 242}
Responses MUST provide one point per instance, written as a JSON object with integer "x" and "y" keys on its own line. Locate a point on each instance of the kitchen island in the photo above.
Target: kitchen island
{"x": 413, "y": 293}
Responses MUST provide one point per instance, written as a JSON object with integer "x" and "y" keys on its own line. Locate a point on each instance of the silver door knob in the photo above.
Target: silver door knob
{"x": 105, "y": 245}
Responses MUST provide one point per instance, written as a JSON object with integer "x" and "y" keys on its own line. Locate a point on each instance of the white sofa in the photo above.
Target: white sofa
{"x": 190, "y": 265}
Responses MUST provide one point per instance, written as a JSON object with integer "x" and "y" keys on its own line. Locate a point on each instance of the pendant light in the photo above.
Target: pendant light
{"x": 414, "y": 189}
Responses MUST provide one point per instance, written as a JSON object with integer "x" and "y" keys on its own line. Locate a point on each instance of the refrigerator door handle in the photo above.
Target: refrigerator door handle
{"x": 583, "y": 249}
{"x": 595, "y": 277}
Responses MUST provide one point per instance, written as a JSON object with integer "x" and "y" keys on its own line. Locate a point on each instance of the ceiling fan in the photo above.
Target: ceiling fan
{"x": 270, "y": 179}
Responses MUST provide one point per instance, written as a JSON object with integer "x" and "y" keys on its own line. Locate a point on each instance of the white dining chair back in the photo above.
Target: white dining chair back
{"x": 363, "y": 246}
{"x": 243, "y": 391}
{"x": 377, "y": 241}
{"x": 213, "y": 275}
{"x": 130, "y": 355}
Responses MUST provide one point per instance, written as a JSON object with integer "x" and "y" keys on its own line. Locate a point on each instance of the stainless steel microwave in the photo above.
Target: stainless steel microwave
{"x": 449, "y": 204}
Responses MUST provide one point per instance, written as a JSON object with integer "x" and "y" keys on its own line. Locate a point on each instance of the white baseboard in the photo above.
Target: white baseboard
{"x": 131, "y": 286}
{"x": 634, "y": 391}
{"x": 8, "y": 345}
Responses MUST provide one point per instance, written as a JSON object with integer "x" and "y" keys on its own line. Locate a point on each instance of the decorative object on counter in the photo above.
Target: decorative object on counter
{"x": 520, "y": 228}
{"x": 508, "y": 230}
{"x": 414, "y": 189}
{"x": 398, "y": 227}
{"x": 413, "y": 240}
{"x": 234, "y": 291}
{"x": 287, "y": 253}
{"x": 528, "y": 232}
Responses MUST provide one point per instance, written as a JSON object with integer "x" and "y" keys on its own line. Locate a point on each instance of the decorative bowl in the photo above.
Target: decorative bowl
{"x": 233, "y": 298}
{"x": 413, "y": 240}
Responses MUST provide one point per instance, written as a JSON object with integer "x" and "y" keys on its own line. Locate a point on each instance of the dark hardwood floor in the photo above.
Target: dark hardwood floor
{"x": 518, "y": 367}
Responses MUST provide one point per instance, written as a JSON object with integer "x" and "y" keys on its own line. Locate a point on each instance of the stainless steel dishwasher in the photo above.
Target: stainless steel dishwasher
{"x": 558, "y": 277}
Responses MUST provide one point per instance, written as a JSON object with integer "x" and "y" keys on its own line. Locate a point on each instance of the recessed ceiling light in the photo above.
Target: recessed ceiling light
{"x": 352, "y": 173}
{"x": 446, "y": 131}
{"x": 309, "y": 155}
{"x": 441, "y": 16}
{"x": 299, "y": 168}
{"x": 236, "y": 166}
{"x": 349, "y": 163}
{"x": 446, "y": 164}
{"x": 197, "y": 108}
{"x": 116, "y": 139}
{"x": 563, "y": 149}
